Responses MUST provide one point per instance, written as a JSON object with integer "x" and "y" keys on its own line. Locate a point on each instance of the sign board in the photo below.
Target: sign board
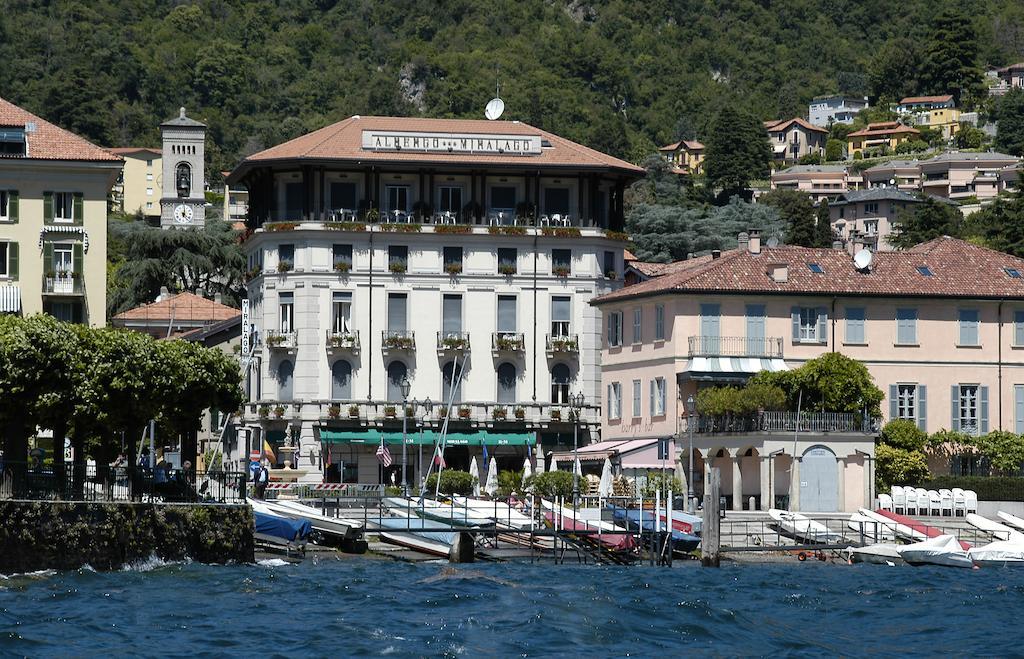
{"x": 68, "y": 453}
{"x": 246, "y": 332}
{"x": 254, "y": 456}
{"x": 392, "y": 140}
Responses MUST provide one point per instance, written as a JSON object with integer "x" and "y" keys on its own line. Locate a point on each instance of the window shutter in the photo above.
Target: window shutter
{"x": 1018, "y": 409}
{"x": 48, "y": 259}
{"x": 1018, "y": 328}
{"x": 47, "y": 207}
{"x": 822, "y": 325}
{"x": 651, "y": 408}
{"x": 954, "y": 407}
{"x": 795, "y": 313}
{"x": 922, "y": 407}
{"x": 983, "y": 408}
{"x": 610, "y": 402}
{"x": 12, "y": 260}
{"x": 12, "y": 206}
{"x": 76, "y": 255}
{"x": 77, "y": 209}
{"x": 893, "y": 401}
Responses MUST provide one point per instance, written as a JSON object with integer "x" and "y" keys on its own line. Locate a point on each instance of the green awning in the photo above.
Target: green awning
{"x": 428, "y": 437}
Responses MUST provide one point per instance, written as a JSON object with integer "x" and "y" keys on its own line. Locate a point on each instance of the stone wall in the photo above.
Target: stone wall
{"x": 64, "y": 535}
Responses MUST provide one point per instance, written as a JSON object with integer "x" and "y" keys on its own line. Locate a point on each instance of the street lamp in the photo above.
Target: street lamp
{"x": 690, "y": 407}
{"x": 405, "y": 387}
{"x": 428, "y": 407}
{"x": 575, "y": 404}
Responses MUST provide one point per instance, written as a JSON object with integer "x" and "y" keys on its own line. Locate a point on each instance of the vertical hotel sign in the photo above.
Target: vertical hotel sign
{"x": 467, "y": 143}
{"x": 246, "y": 332}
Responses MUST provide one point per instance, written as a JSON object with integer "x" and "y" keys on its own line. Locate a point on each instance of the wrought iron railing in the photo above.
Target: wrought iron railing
{"x": 398, "y": 339}
{"x": 347, "y": 340}
{"x": 278, "y": 340}
{"x": 453, "y": 341}
{"x": 735, "y": 346}
{"x": 816, "y": 422}
{"x": 63, "y": 285}
{"x": 508, "y": 341}
{"x": 566, "y": 343}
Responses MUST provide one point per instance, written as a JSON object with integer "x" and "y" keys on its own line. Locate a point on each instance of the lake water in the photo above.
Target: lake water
{"x": 331, "y": 607}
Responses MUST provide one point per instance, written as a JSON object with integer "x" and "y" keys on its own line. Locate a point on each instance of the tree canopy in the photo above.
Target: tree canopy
{"x": 925, "y": 221}
{"x": 796, "y": 210}
{"x": 1010, "y": 122}
{"x": 736, "y": 151}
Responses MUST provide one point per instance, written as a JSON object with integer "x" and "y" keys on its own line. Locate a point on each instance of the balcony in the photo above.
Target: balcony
{"x": 735, "y": 346}
{"x": 342, "y": 341}
{"x": 505, "y": 342}
{"x": 562, "y": 344}
{"x": 379, "y": 413}
{"x": 63, "y": 285}
{"x": 398, "y": 340}
{"x": 452, "y": 342}
{"x": 783, "y": 422}
{"x": 283, "y": 341}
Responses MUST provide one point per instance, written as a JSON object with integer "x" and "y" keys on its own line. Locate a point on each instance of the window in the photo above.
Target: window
{"x": 659, "y": 322}
{"x": 756, "y": 344}
{"x": 810, "y": 324}
{"x": 855, "y": 324}
{"x": 871, "y": 208}
{"x": 397, "y": 372}
{"x": 1018, "y": 328}
{"x": 341, "y": 257}
{"x": 12, "y": 141}
{"x": 556, "y": 201}
{"x": 63, "y": 207}
{"x": 449, "y": 199}
{"x": 906, "y": 401}
{"x": 183, "y": 179}
{"x": 397, "y": 197}
{"x": 452, "y": 259}
{"x": 609, "y": 265}
{"x": 398, "y": 258}
{"x": 636, "y": 399}
{"x": 451, "y": 316}
{"x": 506, "y": 384}
{"x": 924, "y": 271}
{"x": 149, "y": 192}
{"x": 657, "y": 401}
{"x": 149, "y": 175}
{"x": 615, "y": 329}
{"x": 285, "y": 370}
{"x": 397, "y": 312}
{"x": 286, "y": 308}
{"x": 341, "y": 380}
{"x": 341, "y": 303}
{"x": 149, "y": 205}
{"x": 285, "y": 257}
{"x": 507, "y": 260}
{"x": 871, "y": 227}
{"x": 5, "y": 268}
{"x": 560, "y": 384}
{"x": 503, "y": 199}
{"x": 63, "y": 259}
{"x": 816, "y": 268}
{"x": 969, "y": 327}
{"x": 507, "y": 314}
{"x": 343, "y": 195}
{"x": 451, "y": 377}
{"x": 561, "y": 308}
{"x": 970, "y": 408}
{"x": 906, "y": 326}
{"x": 638, "y": 318}
{"x": 709, "y": 328}
{"x": 67, "y": 312}
{"x": 1010, "y": 272}
{"x": 614, "y": 401}
{"x": 561, "y": 261}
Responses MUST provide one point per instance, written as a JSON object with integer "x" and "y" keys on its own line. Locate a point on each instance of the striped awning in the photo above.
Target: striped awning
{"x": 426, "y": 437}
{"x": 10, "y": 299}
{"x": 710, "y": 368}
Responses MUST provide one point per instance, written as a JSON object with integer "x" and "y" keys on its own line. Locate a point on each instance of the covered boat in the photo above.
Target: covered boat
{"x": 281, "y": 532}
{"x": 942, "y": 550}
{"x": 883, "y": 553}
{"x": 637, "y": 519}
{"x": 425, "y": 535}
{"x": 1000, "y": 553}
{"x": 803, "y": 528}
{"x": 995, "y": 529}
{"x": 336, "y": 526}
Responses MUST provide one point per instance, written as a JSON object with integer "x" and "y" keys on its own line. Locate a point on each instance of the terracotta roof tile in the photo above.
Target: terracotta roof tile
{"x": 343, "y": 141}
{"x": 884, "y": 128}
{"x": 131, "y": 150}
{"x": 927, "y": 99}
{"x": 183, "y": 307}
{"x": 50, "y": 142}
{"x": 650, "y": 269}
{"x": 960, "y": 270}
{"x": 783, "y": 124}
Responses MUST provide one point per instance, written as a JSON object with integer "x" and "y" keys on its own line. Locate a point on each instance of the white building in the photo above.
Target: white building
{"x": 391, "y": 249}
{"x": 828, "y": 110}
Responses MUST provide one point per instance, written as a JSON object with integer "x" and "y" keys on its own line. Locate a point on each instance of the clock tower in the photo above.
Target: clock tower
{"x": 182, "y": 202}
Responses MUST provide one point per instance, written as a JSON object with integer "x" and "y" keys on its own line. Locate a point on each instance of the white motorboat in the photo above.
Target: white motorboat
{"x": 499, "y": 512}
{"x": 995, "y": 529}
{"x": 871, "y": 529}
{"x": 1001, "y": 553}
{"x": 942, "y": 550}
{"x": 803, "y": 528}
{"x": 901, "y": 530}
{"x": 424, "y": 535}
{"x": 344, "y": 528}
{"x": 451, "y": 514}
{"x": 883, "y": 553}
{"x": 1012, "y": 520}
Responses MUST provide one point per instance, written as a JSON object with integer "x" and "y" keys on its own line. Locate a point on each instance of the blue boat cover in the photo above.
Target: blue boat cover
{"x": 632, "y": 519}
{"x": 292, "y": 530}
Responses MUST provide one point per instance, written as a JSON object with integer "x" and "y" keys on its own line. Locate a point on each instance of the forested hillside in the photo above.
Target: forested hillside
{"x": 620, "y": 75}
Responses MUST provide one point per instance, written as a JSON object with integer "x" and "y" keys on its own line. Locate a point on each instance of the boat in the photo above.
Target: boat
{"x": 871, "y": 528}
{"x": 615, "y": 540}
{"x": 1012, "y": 520}
{"x": 803, "y": 528}
{"x": 638, "y": 519}
{"x": 336, "y": 526}
{"x": 499, "y": 512}
{"x": 919, "y": 527}
{"x": 408, "y": 530}
{"x": 944, "y": 550}
{"x": 280, "y": 532}
{"x": 993, "y": 528}
{"x": 883, "y": 553}
{"x": 901, "y": 530}
{"x": 1001, "y": 553}
{"x": 449, "y": 513}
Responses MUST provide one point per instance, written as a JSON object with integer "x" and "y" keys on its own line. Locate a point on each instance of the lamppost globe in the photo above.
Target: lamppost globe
{"x": 690, "y": 404}
{"x": 405, "y": 387}
{"x": 690, "y": 408}
{"x": 576, "y": 403}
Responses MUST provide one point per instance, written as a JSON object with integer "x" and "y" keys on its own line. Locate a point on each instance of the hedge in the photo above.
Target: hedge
{"x": 989, "y": 488}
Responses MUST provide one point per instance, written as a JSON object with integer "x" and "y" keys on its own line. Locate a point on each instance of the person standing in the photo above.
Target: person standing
{"x": 260, "y": 479}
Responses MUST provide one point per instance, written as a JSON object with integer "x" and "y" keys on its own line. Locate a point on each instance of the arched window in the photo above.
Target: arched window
{"x": 397, "y": 372}
{"x": 448, "y": 376}
{"x": 284, "y": 380}
{"x": 341, "y": 380}
{"x": 183, "y": 179}
{"x": 507, "y": 383}
{"x": 560, "y": 384}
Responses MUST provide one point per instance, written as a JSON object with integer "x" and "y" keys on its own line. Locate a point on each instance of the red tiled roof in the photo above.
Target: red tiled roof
{"x": 692, "y": 145}
{"x": 959, "y": 270}
{"x": 884, "y": 128}
{"x": 129, "y": 150}
{"x": 182, "y": 308}
{"x": 343, "y": 141}
{"x": 50, "y": 142}
{"x": 927, "y": 99}
{"x": 649, "y": 269}
{"x": 783, "y": 124}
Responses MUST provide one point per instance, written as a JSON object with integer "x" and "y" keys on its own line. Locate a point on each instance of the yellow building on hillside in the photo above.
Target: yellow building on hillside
{"x": 138, "y": 188}
{"x": 686, "y": 156}
{"x": 884, "y": 133}
{"x": 936, "y": 112}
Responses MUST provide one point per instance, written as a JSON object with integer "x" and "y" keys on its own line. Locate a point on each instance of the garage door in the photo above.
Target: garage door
{"x": 818, "y": 484}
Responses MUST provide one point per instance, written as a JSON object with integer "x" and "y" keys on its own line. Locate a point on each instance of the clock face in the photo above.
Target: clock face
{"x": 182, "y": 214}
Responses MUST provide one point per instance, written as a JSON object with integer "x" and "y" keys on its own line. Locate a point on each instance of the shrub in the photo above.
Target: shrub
{"x": 280, "y": 226}
{"x": 520, "y": 413}
{"x": 506, "y": 269}
{"x": 453, "y": 268}
{"x": 561, "y": 232}
{"x": 452, "y": 482}
{"x": 1005, "y": 450}
{"x": 616, "y": 235}
{"x": 345, "y": 226}
{"x": 279, "y": 411}
{"x": 904, "y": 434}
{"x": 989, "y": 488}
{"x": 353, "y": 410}
{"x": 465, "y": 412}
{"x": 657, "y": 481}
{"x": 342, "y": 266}
{"x": 499, "y": 413}
{"x": 830, "y": 383}
{"x": 284, "y": 266}
{"x": 390, "y": 411}
{"x": 896, "y": 466}
{"x": 551, "y": 484}
{"x": 334, "y": 411}
{"x": 509, "y": 482}
{"x": 561, "y": 271}
{"x": 398, "y": 267}
{"x": 453, "y": 228}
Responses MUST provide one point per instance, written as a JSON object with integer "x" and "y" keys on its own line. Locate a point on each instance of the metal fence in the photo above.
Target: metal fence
{"x": 786, "y": 422}
{"x": 71, "y": 483}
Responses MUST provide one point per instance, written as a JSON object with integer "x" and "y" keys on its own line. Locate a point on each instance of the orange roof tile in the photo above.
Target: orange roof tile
{"x": 927, "y": 99}
{"x": 50, "y": 142}
{"x": 130, "y": 150}
{"x": 884, "y": 128}
{"x": 182, "y": 308}
{"x": 783, "y": 124}
{"x": 650, "y": 269}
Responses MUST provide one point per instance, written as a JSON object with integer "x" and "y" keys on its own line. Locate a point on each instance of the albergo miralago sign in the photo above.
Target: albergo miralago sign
{"x": 380, "y": 140}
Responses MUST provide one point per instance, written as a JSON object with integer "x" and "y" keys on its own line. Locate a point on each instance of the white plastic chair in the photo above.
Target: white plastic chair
{"x": 970, "y": 501}
{"x": 946, "y": 502}
{"x": 884, "y": 502}
{"x": 959, "y": 503}
{"x": 934, "y": 503}
{"x": 923, "y": 502}
{"x": 910, "y": 494}
{"x": 899, "y": 499}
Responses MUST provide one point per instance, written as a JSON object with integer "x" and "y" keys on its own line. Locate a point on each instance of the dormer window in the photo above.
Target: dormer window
{"x": 12, "y": 142}
{"x": 924, "y": 271}
{"x": 816, "y": 268}
{"x": 1013, "y": 273}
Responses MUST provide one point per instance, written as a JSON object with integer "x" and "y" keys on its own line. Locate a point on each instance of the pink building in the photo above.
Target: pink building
{"x": 940, "y": 327}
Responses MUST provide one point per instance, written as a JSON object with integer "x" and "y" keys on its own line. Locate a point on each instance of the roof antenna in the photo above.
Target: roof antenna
{"x": 495, "y": 106}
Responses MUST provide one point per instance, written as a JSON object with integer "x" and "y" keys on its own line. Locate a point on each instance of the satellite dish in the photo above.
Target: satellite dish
{"x": 862, "y": 259}
{"x": 494, "y": 108}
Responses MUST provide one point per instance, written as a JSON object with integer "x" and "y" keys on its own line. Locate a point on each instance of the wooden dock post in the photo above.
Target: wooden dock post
{"x": 711, "y": 537}
{"x": 463, "y": 549}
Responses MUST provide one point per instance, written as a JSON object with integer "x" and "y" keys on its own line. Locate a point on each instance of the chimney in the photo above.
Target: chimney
{"x": 779, "y": 272}
{"x": 218, "y": 298}
{"x": 715, "y": 253}
{"x": 754, "y": 242}
{"x": 743, "y": 239}
{"x": 837, "y": 244}
{"x": 164, "y": 294}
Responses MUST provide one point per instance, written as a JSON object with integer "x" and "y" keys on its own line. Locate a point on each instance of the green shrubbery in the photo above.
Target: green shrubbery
{"x": 452, "y": 482}
{"x": 656, "y": 481}
{"x": 551, "y": 484}
{"x": 719, "y": 401}
{"x": 988, "y": 488}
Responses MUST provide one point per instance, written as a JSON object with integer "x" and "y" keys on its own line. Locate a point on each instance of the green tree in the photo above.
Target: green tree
{"x": 969, "y": 137}
{"x": 736, "y": 151}
{"x": 922, "y": 222}
{"x": 823, "y": 226}
{"x": 796, "y": 211}
{"x": 551, "y": 484}
{"x": 950, "y": 57}
{"x": 896, "y": 466}
{"x": 830, "y": 383}
{"x": 834, "y": 149}
{"x": 893, "y": 70}
{"x": 904, "y": 434}
{"x": 1010, "y": 122}
{"x": 1001, "y": 224}
{"x": 1004, "y": 450}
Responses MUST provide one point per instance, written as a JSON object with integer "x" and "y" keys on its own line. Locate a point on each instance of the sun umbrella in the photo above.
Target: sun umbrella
{"x": 605, "y": 489}
{"x": 492, "y": 478}
{"x": 527, "y": 471}
{"x": 552, "y": 463}
{"x": 474, "y": 471}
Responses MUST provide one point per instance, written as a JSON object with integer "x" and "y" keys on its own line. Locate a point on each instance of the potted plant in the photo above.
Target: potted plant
{"x": 453, "y": 268}
{"x": 507, "y": 268}
{"x": 442, "y": 412}
{"x": 398, "y": 267}
{"x": 334, "y": 411}
{"x": 556, "y": 415}
{"x": 353, "y": 411}
{"x": 520, "y": 413}
{"x": 284, "y": 266}
{"x": 464, "y": 412}
{"x": 390, "y": 411}
{"x": 275, "y": 340}
{"x": 372, "y": 215}
{"x": 342, "y": 267}
{"x": 453, "y": 343}
{"x": 561, "y": 271}
{"x": 499, "y": 413}
{"x": 611, "y": 274}
{"x": 264, "y": 411}
{"x": 279, "y": 411}
{"x": 410, "y": 411}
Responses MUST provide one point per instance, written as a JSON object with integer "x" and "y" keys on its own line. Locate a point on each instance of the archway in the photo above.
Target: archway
{"x": 750, "y": 474}
{"x": 819, "y": 480}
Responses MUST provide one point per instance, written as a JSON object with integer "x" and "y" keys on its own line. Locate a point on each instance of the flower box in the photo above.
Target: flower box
{"x": 464, "y": 412}
{"x": 398, "y": 267}
{"x": 334, "y": 411}
{"x": 279, "y": 411}
{"x": 507, "y": 269}
{"x": 453, "y": 268}
{"x": 284, "y": 266}
{"x": 342, "y": 267}
{"x": 561, "y": 271}
{"x": 499, "y": 413}
{"x": 520, "y": 413}
{"x": 556, "y": 415}
{"x": 353, "y": 411}
{"x": 390, "y": 411}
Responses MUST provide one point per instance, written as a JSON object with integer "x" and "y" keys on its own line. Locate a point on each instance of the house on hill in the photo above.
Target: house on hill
{"x": 792, "y": 139}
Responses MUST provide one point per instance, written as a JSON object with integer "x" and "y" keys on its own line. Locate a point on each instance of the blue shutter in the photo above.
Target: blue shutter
{"x": 954, "y": 408}
{"x": 1018, "y": 409}
{"x": 822, "y": 325}
{"x": 893, "y": 395}
{"x": 795, "y": 312}
{"x": 610, "y": 402}
{"x": 922, "y": 407}
{"x": 1018, "y": 328}
{"x": 983, "y": 408}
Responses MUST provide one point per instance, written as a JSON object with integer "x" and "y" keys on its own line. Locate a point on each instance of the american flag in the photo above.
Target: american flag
{"x": 383, "y": 454}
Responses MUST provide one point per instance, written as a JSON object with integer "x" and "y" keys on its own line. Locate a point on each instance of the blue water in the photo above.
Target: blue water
{"x": 376, "y": 607}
